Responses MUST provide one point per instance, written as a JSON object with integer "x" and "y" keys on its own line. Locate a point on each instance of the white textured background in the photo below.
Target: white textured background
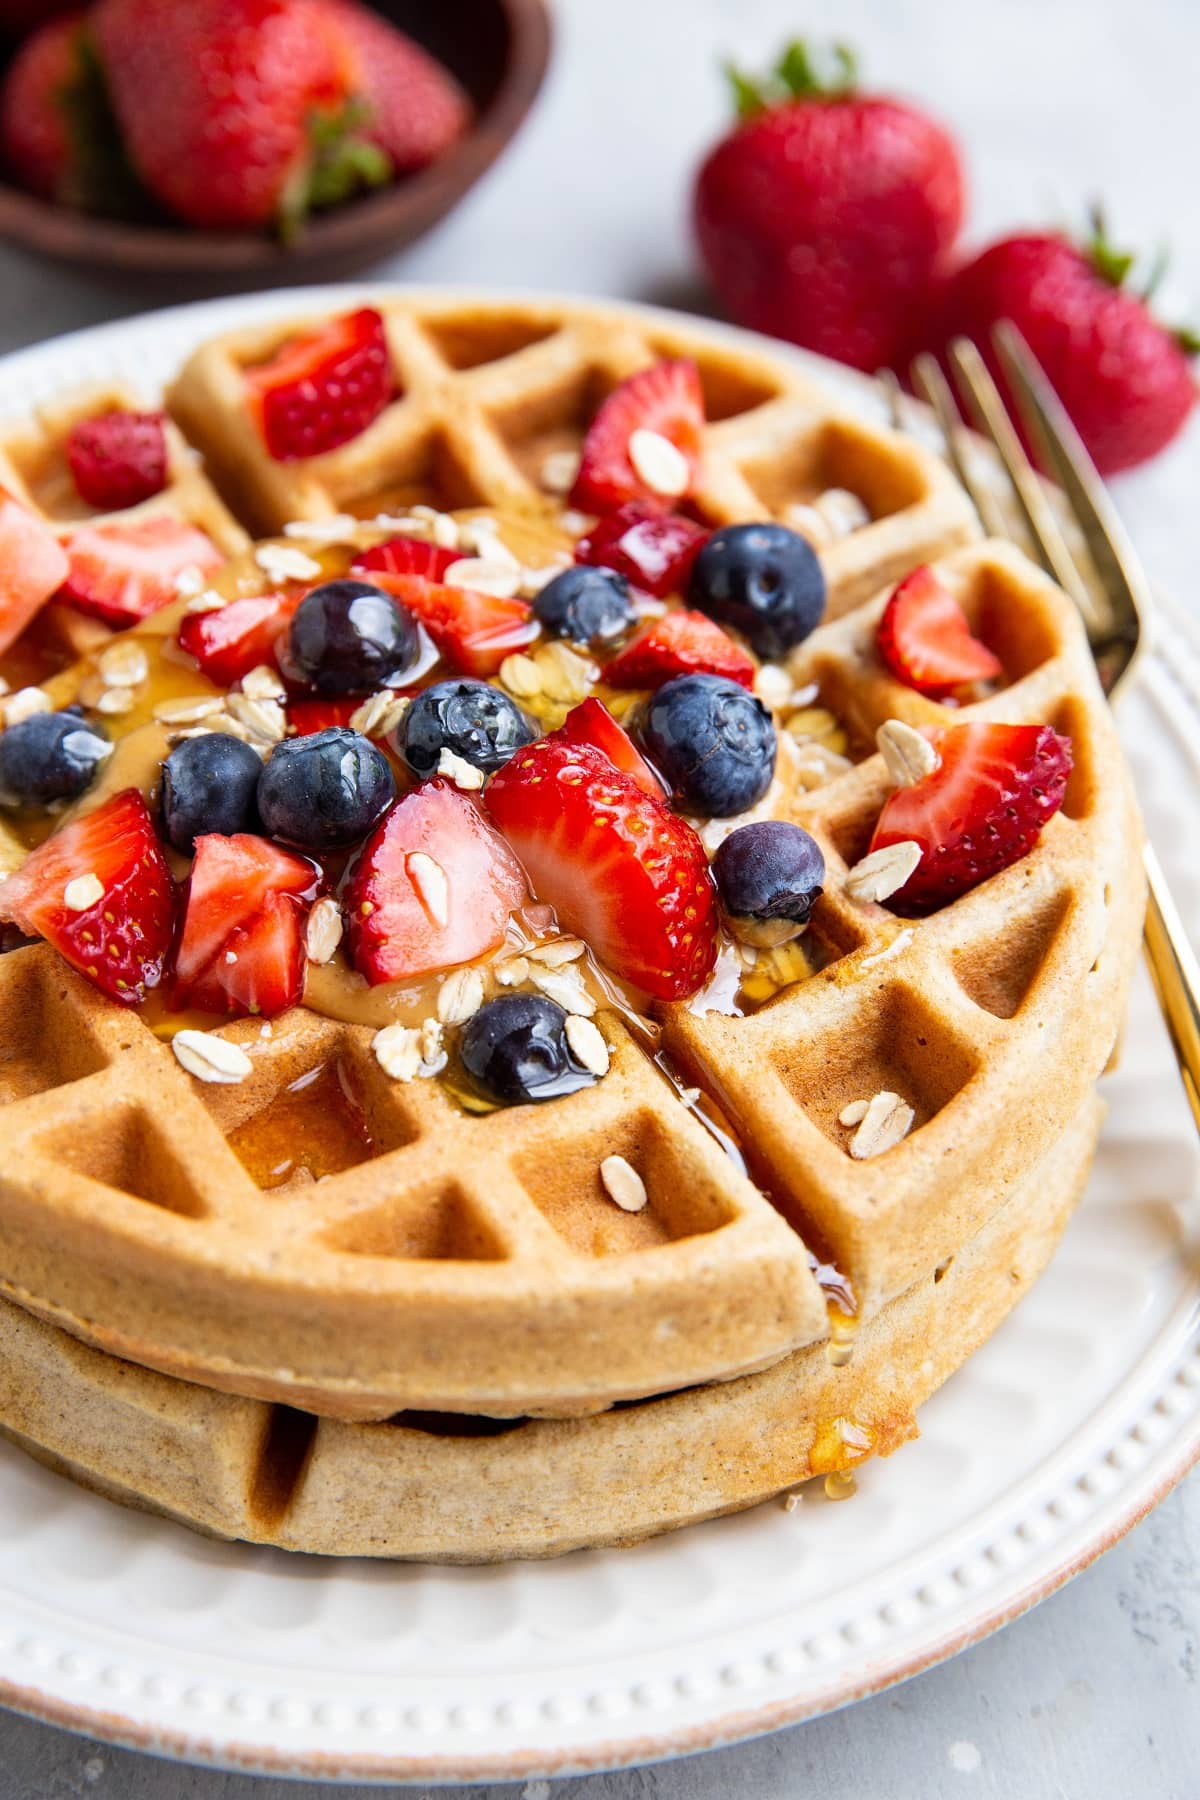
{"x": 1096, "y": 1694}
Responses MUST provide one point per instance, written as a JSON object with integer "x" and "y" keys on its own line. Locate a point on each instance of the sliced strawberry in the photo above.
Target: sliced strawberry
{"x": 121, "y": 940}
{"x": 434, "y": 886}
{"x": 666, "y": 399}
{"x": 260, "y": 967}
{"x": 33, "y": 566}
{"x": 925, "y": 640}
{"x": 308, "y": 716}
{"x": 232, "y": 640}
{"x": 321, "y": 389}
{"x": 118, "y": 459}
{"x": 680, "y": 643}
{"x": 474, "y": 632}
{"x": 127, "y": 569}
{"x": 232, "y": 880}
{"x": 591, "y": 723}
{"x": 618, "y": 866}
{"x": 405, "y": 556}
{"x": 653, "y": 549}
{"x": 980, "y": 809}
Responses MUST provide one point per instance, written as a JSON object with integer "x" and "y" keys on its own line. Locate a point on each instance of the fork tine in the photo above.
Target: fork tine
{"x": 1047, "y": 421}
{"x": 934, "y": 389}
{"x": 987, "y": 409}
{"x": 894, "y": 395}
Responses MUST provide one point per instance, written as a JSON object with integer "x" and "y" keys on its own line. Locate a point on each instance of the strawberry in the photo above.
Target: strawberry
{"x": 434, "y": 886}
{"x": 680, "y": 643}
{"x": 618, "y": 866}
{"x": 653, "y": 549}
{"x": 665, "y": 399}
{"x": 474, "y": 632}
{"x": 33, "y": 566}
{"x": 323, "y": 388}
{"x": 121, "y": 940}
{"x": 240, "y": 947}
{"x": 1125, "y": 379}
{"x": 124, "y": 570}
{"x": 415, "y": 109}
{"x": 978, "y": 811}
{"x": 824, "y": 215}
{"x": 229, "y": 642}
{"x": 236, "y": 114}
{"x": 309, "y": 716}
{"x": 35, "y": 136}
{"x": 925, "y": 640}
{"x": 405, "y": 556}
{"x": 118, "y": 459}
{"x": 591, "y": 723}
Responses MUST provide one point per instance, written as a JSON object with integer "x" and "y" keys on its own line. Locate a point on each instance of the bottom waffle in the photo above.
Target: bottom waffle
{"x": 435, "y": 1488}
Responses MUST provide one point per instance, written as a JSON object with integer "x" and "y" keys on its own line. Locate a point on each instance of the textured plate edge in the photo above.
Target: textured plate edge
{"x": 1079, "y": 1548}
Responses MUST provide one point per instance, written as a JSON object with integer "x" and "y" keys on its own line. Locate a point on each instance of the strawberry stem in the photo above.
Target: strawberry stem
{"x": 1113, "y": 266}
{"x": 339, "y": 164}
{"x": 798, "y": 75}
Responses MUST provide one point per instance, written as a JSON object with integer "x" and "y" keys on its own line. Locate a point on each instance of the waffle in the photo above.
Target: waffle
{"x": 447, "y": 1489}
{"x": 474, "y": 1264}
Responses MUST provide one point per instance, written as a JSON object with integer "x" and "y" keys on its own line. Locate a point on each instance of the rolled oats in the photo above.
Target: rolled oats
{"x": 124, "y": 664}
{"x": 207, "y": 600}
{"x": 659, "y": 463}
{"x": 485, "y": 575}
{"x": 380, "y": 714}
{"x": 887, "y": 1120}
{"x": 211, "y": 1058}
{"x": 521, "y": 676}
{"x": 564, "y": 674}
{"x": 566, "y": 990}
{"x": 884, "y": 872}
{"x": 558, "y": 471}
{"x": 554, "y": 952}
{"x": 339, "y": 528}
{"x": 264, "y": 719}
{"x": 24, "y": 703}
{"x": 190, "y": 580}
{"x": 398, "y": 1051}
{"x": 83, "y": 892}
{"x": 115, "y": 700}
{"x": 623, "y": 1184}
{"x": 433, "y": 888}
{"x": 323, "y": 933}
{"x": 511, "y": 971}
{"x": 263, "y": 683}
{"x": 458, "y": 770}
{"x": 909, "y": 756}
{"x": 460, "y": 996}
{"x": 586, "y": 1045}
{"x": 283, "y": 563}
{"x": 188, "y": 709}
{"x": 854, "y": 1113}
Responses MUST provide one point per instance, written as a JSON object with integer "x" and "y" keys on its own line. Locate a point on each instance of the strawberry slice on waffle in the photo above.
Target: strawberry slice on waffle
{"x": 33, "y": 566}
{"x": 592, "y": 724}
{"x": 624, "y": 456}
{"x": 620, "y": 869}
{"x": 926, "y": 641}
{"x": 323, "y": 388}
{"x": 231, "y": 640}
{"x": 123, "y": 570}
{"x": 241, "y": 946}
{"x": 100, "y": 891}
{"x": 651, "y": 548}
{"x": 680, "y": 643}
{"x": 979, "y": 810}
{"x": 474, "y": 632}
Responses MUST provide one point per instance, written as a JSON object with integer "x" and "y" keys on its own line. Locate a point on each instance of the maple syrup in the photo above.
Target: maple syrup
{"x": 313, "y": 1127}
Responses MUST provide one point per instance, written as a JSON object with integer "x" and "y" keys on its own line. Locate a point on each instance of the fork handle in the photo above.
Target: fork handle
{"x": 1176, "y": 976}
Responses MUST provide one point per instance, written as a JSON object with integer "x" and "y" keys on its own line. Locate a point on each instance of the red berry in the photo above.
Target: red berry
{"x": 591, "y": 723}
{"x": 126, "y": 569}
{"x": 824, "y": 216}
{"x": 221, "y": 102}
{"x": 240, "y": 949}
{"x": 121, "y": 940}
{"x": 416, "y": 110}
{"x": 323, "y": 388}
{"x": 118, "y": 459}
{"x": 1126, "y": 381}
{"x": 307, "y": 717}
{"x": 35, "y": 134}
{"x": 926, "y": 641}
{"x": 619, "y": 868}
{"x": 651, "y": 548}
{"x": 666, "y": 399}
{"x": 405, "y": 556}
{"x": 980, "y": 810}
{"x": 434, "y": 886}
{"x": 680, "y": 643}
{"x": 33, "y": 566}
{"x": 474, "y": 632}
{"x": 231, "y": 640}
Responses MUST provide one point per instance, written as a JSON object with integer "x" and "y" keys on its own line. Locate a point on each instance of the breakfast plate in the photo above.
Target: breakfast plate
{"x": 1056, "y": 1436}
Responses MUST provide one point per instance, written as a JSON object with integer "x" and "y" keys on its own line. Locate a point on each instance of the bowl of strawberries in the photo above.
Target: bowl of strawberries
{"x": 238, "y": 138}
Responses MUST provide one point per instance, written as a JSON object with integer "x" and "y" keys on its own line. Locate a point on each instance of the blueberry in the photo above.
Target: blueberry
{"x": 714, "y": 742}
{"x": 588, "y": 606}
{"x": 764, "y": 580}
{"x": 347, "y": 637}
{"x": 208, "y": 784}
{"x": 48, "y": 756}
{"x": 515, "y": 1049}
{"x": 325, "y": 790}
{"x": 769, "y": 876}
{"x": 470, "y": 718}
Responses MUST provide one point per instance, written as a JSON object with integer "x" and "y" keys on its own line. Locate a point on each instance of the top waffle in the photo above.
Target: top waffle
{"x": 406, "y": 1253}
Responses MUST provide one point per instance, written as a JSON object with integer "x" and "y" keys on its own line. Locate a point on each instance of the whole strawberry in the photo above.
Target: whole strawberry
{"x": 236, "y": 113}
{"x": 824, "y": 215}
{"x": 58, "y": 138}
{"x": 414, "y": 109}
{"x": 1125, "y": 379}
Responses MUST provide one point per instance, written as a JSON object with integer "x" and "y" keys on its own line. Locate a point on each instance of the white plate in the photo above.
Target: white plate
{"x": 1078, "y": 1415}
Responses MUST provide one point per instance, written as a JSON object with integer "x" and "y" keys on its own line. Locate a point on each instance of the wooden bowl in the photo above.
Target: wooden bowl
{"x": 499, "y": 50}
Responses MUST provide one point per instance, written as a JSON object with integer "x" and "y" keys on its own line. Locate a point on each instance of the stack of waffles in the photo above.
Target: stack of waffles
{"x": 322, "y": 1307}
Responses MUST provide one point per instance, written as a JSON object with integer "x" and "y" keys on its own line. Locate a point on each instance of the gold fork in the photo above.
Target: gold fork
{"x": 1112, "y": 609}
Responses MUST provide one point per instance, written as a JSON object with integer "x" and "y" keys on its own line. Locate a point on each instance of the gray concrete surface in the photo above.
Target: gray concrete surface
{"x": 1097, "y": 1693}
